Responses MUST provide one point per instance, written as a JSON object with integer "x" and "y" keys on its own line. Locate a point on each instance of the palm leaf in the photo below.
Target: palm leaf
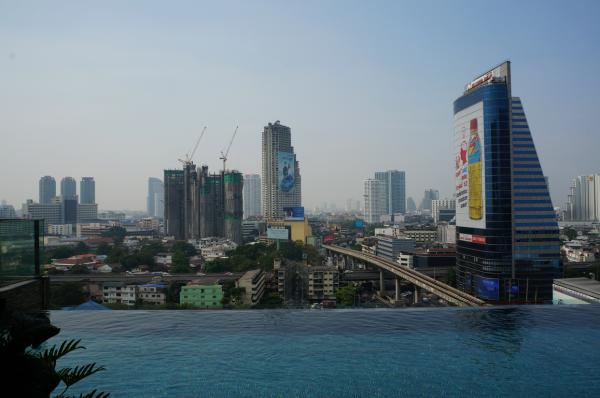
{"x": 93, "y": 394}
{"x": 70, "y": 376}
{"x": 51, "y": 355}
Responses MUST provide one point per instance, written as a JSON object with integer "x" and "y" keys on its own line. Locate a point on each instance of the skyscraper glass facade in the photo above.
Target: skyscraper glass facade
{"x": 87, "y": 189}
{"x": 395, "y": 190}
{"x": 47, "y": 189}
{"x": 507, "y": 234}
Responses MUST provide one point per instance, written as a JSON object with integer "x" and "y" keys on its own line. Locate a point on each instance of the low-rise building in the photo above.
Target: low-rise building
{"x": 389, "y": 247}
{"x": 323, "y": 282}
{"x": 152, "y": 293}
{"x": 201, "y": 296}
{"x": 65, "y": 264}
{"x": 253, "y": 282}
{"x": 421, "y": 235}
{"x": 165, "y": 259}
{"x": 119, "y": 293}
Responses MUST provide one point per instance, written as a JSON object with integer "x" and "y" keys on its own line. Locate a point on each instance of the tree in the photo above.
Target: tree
{"x": 116, "y": 233}
{"x": 188, "y": 249}
{"x": 347, "y": 295}
{"x": 79, "y": 269}
{"x": 181, "y": 264}
{"x": 82, "y": 248}
{"x": 570, "y": 233}
{"x": 62, "y": 252}
{"x": 103, "y": 249}
{"x": 67, "y": 294}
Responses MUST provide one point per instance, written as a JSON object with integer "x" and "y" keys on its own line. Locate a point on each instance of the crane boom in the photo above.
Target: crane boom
{"x": 224, "y": 155}
{"x": 197, "y": 142}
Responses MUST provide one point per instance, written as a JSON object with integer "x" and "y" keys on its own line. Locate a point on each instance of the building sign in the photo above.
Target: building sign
{"x": 294, "y": 213}
{"x": 328, "y": 239}
{"x": 286, "y": 167}
{"x": 487, "y": 288}
{"x": 499, "y": 72}
{"x": 278, "y": 233}
{"x": 359, "y": 223}
{"x": 472, "y": 238}
{"x": 469, "y": 171}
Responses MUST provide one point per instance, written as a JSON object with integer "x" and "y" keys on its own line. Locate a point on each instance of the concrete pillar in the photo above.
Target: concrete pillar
{"x": 397, "y": 296}
{"x": 381, "y": 284}
{"x": 416, "y": 294}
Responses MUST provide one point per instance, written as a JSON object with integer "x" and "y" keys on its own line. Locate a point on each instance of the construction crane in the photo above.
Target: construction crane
{"x": 224, "y": 155}
{"x": 190, "y": 155}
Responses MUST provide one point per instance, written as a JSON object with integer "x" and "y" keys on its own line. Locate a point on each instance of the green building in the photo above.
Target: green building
{"x": 202, "y": 296}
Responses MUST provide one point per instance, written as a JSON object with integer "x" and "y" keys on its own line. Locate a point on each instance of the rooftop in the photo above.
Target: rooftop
{"x": 586, "y": 286}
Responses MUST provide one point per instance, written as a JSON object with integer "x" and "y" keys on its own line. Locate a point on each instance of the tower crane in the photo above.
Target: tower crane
{"x": 224, "y": 155}
{"x": 189, "y": 156}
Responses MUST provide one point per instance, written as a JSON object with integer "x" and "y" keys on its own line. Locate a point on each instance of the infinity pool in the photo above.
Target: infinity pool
{"x": 533, "y": 351}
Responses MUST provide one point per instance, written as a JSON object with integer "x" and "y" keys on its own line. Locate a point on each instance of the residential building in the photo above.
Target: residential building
{"x": 281, "y": 181}
{"x": 152, "y": 293}
{"x": 68, "y": 188}
{"x": 507, "y": 246}
{"x": 323, "y": 282}
{"x": 421, "y": 236}
{"x": 51, "y": 213}
{"x": 155, "y": 205}
{"x": 119, "y": 293}
{"x": 47, "y": 189}
{"x": 87, "y": 191}
{"x": 174, "y": 204}
{"x": 87, "y": 213}
{"x": 201, "y": 296}
{"x": 252, "y": 196}
{"x": 60, "y": 229}
{"x": 443, "y": 209}
{"x": 446, "y": 232}
{"x": 394, "y": 190}
{"x": 253, "y": 283}
{"x": 375, "y": 200}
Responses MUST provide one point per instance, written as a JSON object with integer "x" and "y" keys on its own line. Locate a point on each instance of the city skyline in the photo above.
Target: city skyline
{"x": 91, "y": 78}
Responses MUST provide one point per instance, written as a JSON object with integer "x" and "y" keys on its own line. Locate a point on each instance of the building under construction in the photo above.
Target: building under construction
{"x": 201, "y": 205}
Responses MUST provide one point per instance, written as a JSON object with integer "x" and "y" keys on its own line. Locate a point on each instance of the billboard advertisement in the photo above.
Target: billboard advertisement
{"x": 286, "y": 167}
{"x": 278, "y": 233}
{"x": 487, "y": 288}
{"x": 359, "y": 223}
{"x": 294, "y": 213}
{"x": 469, "y": 171}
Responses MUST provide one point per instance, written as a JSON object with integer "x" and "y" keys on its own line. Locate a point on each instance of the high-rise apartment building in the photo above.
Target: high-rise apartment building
{"x": 87, "y": 190}
{"x": 395, "y": 190}
{"x": 68, "y": 187}
{"x": 375, "y": 200}
{"x": 7, "y": 211}
{"x": 155, "y": 199}
{"x": 281, "y": 182}
{"x": 428, "y": 196}
{"x": 174, "y": 204}
{"x": 252, "y": 196}
{"x": 507, "y": 247}
{"x": 584, "y": 199}
{"x": 47, "y": 189}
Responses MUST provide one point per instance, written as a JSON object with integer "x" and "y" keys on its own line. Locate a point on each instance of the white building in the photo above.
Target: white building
{"x": 252, "y": 196}
{"x": 60, "y": 229}
{"x": 152, "y": 293}
{"x": 446, "y": 233}
{"x": 375, "y": 200}
{"x": 119, "y": 293}
{"x": 441, "y": 204}
{"x": 281, "y": 186}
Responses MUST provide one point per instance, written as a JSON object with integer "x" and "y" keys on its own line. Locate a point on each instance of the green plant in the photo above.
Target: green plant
{"x": 29, "y": 372}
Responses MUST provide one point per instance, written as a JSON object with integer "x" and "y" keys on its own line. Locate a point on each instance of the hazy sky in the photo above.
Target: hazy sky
{"x": 120, "y": 90}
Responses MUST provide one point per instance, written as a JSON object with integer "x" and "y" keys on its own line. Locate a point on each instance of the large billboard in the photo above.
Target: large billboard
{"x": 294, "y": 213}
{"x": 469, "y": 171}
{"x": 278, "y": 233}
{"x": 286, "y": 166}
{"x": 487, "y": 288}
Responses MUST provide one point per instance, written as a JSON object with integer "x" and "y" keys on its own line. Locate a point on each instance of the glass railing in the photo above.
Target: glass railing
{"x": 21, "y": 245}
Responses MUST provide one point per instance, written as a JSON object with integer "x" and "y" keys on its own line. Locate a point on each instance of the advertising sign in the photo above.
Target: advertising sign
{"x": 469, "y": 170}
{"x": 294, "y": 213}
{"x": 279, "y": 233}
{"x": 487, "y": 288}
{"x": 286, "y": 167}
{"x": 472, "y": 238}
{"x": 499, "y": 72}
{"x": 359, "y": 223}
{"x": 328, "y": 239}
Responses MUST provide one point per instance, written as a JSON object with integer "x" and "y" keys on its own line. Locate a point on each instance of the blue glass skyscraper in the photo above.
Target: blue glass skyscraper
{"x": 507, "y": 234}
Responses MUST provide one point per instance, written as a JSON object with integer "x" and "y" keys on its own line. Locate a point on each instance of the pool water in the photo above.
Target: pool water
{"x": 533, "y": 351}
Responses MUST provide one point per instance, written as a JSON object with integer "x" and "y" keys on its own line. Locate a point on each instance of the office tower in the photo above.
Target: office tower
{"x": 428, "y": 196}
{"x": 584, "y": 199}
{"x": 174, "y": 203}
{"x": 51, "y": 212}
{"x": 282, "y": 185}
{"x": 410, "y": 205}
{"x": 68, "y": 187}
{"x": 47, "y": 189}
{"x": 375, "y": 200}
{"x": 252, "y": 196}
{"x": 7, "y": 211}
{"x": 233, "y": 197}
{"x": 69, "y": 209}
{"x": 507, "y": 235}
{"x": 155, "y": 199}
{"x": 87, "y": 190}
{"x": 395, "y": 190}
{"x": 443, "y": 209}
